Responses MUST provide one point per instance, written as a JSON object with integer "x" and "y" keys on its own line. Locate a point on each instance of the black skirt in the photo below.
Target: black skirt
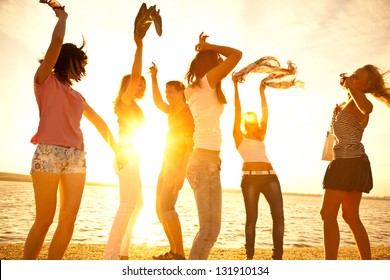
{"x": 349, "y": 174}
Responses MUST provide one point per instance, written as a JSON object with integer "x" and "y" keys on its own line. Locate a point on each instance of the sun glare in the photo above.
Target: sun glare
{"x": 147, "y": 228}
{"x": 151, "y": 143}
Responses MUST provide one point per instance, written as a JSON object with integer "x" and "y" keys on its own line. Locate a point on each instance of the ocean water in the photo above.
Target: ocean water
{"x": 303, "y": 225}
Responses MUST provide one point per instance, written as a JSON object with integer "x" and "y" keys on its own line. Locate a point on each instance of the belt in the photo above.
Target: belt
{"x": 258, "y": 172}
{"x": 212, "y": 152}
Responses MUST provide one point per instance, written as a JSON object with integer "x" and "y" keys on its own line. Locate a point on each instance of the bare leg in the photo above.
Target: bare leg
{"x": 330, "y": 207}
{"x": 169, "y": 236}
{"x": 71, "y": 191}
{"x": 173, "y": 231}
{"x": 45, "y": 192}
{"x": 350, "y": 207}
{"x": 166, "y": 197}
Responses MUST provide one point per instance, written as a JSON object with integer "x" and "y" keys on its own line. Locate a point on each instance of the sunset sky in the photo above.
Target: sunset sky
{"x": 323, "y": 38}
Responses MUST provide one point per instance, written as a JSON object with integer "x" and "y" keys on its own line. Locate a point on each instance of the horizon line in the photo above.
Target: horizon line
{"x": 17, "y": 177}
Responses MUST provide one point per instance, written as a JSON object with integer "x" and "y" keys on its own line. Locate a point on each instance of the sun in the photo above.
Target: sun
{"x": 150, "y": 142}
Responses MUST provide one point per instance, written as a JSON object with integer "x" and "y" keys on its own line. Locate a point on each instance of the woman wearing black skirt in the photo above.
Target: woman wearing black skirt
{"x": 349, "y": 173}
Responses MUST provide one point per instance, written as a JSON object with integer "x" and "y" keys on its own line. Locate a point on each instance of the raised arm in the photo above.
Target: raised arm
{"x": 233, "y": 56}
{"x": 51, "y": 56}
{"x": 359, "y": 97}
{"x": 157, "y": 97}
{"x": 105, "y": 132}
{"x": 264, "y": 111}
{"x": 237, "y": 133}
{"x": 136, "y": 72}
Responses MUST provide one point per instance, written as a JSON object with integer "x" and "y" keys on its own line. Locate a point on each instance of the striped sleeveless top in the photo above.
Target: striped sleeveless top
{"x": 348, "y": 132}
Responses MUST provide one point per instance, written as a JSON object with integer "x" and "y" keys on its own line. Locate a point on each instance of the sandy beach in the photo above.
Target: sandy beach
{"x": 142, "y": 252}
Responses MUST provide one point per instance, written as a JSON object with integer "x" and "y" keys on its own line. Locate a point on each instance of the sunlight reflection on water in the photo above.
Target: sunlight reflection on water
{"x": 303, "y": 226}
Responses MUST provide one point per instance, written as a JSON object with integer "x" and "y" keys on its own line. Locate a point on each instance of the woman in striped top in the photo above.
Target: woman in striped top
{"x": 349, "y": 173}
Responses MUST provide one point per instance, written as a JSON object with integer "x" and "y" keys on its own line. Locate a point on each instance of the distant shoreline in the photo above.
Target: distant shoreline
{"x": 15, "y": 177}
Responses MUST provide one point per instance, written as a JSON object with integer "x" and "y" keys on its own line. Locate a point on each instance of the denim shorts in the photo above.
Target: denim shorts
{"x": 58, "y": 160}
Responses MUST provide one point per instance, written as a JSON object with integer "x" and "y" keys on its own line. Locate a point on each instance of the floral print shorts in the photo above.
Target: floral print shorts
{"x": 58, "y": 160}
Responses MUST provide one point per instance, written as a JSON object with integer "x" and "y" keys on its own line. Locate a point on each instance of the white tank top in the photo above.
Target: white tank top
{"x": 206, "y": 110}
{"x": 252, "y": 150}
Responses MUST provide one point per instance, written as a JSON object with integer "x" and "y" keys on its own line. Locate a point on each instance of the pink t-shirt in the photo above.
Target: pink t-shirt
{"x": 60, "y": 112}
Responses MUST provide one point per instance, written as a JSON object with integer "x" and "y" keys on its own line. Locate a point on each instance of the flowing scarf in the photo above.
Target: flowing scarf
{"x": 280, "y": 78}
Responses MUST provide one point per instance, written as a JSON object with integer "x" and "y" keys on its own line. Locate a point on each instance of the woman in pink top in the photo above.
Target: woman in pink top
{"x": 59, "y": 160}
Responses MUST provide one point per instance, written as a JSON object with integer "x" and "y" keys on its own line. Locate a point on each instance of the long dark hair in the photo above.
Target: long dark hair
{"x": 200, "y": 65}
{"x": 71, "y": 58}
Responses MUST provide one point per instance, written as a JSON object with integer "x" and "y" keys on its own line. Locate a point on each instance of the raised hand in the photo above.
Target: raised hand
{"x": 153, "y": 70}
{"x": 202, "y": 38}
{"x": 202, "y": 45}
{"x": 343, "y": 78}
{"x": 52, "y": 3}
{"x": 234, "y": 79}
{"x": 60, "y": 12}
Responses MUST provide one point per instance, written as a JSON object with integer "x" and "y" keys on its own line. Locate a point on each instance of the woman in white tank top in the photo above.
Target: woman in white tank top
{"x": 206, "y": 101}
{"x": 258, "y": 174}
